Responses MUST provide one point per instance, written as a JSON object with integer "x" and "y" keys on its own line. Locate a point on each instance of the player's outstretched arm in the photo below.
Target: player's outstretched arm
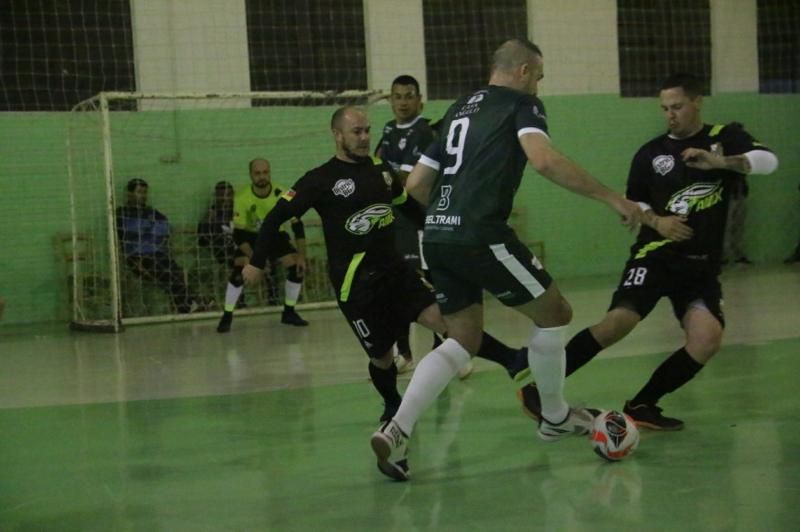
{"x": 557, "y": 168}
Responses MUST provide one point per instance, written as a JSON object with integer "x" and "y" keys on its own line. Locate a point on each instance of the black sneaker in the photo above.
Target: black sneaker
{"x": 528, "y": 395}
{"x": 649, "y": 416}
{"x": 291, "y": 317}
{"x": 225, "y": 322}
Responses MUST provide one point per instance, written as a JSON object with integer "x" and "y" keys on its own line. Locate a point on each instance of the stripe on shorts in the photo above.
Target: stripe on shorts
{"x": 517, "y": 270}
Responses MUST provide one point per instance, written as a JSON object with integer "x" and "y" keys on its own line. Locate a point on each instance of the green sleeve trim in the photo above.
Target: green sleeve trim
{"x": 344, "y": 292}
{"x": 377, "y": 161}
{"x": 652, "y": 246}
{"x": 399, "y": 200}
{"x": 715, "y": 130}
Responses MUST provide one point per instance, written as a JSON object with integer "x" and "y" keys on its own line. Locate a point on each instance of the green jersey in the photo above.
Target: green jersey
{"x": 402, "y": 144}
{"x": 480, "y": 163}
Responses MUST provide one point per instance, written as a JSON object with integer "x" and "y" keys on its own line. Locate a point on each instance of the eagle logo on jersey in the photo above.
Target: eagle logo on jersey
{"x": 344, "y": 187}
{"x": 663, "y": 164}
{"x": 387, "y": 178}
{"x": 402, "y": 144}
{"x": 363, "y": 221}
{"x": 696, "y": 197}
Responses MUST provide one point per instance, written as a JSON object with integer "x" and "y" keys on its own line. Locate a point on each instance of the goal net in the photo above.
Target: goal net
{"x": 185, "y": 147}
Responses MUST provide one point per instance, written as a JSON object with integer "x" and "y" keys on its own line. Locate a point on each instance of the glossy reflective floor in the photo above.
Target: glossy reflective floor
{"x": 174, "y": 427}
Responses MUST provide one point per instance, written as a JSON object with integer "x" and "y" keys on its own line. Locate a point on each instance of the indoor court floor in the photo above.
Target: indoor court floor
{"x": 174, "y": 427}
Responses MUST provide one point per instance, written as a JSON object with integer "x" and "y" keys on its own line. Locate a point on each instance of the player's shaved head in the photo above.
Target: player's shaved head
{"x": 339, "y": 116}
{"x": 513, "y": 53}
{"x": 256, "y": 160}
{"x": 350, "y": 128}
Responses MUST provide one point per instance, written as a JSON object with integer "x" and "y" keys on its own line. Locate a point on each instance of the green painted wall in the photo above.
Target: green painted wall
{"x": 182, "y": 154}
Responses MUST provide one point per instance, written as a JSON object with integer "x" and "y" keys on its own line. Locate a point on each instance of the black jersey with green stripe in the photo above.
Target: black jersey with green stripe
{"x": 354, "y": 202}
{"x": 402, "y": 144}
{"x": 480, "y": 164}
{"x": 659, "y": 177}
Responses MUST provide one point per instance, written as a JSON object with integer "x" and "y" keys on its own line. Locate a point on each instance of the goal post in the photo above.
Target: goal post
{"x": 182, "y": 145}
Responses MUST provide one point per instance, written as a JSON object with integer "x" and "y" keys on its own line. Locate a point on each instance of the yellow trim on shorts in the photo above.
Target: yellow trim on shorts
{"x": 344, "y": 292}
{"x": 651, "y": 247}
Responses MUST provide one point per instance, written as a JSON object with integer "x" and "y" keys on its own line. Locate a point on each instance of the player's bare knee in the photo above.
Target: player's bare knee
{"x": 431, "y": 318}
{"x": 703, "y": 347}
{"x": 558, "y": 314}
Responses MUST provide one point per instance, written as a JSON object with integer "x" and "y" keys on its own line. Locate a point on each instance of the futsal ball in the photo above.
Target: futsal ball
{"x": 614, "y": 435}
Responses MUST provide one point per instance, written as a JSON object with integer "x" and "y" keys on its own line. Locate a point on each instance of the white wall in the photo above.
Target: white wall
{"x": 579, "y": 41}
{"x": 395, "y": 42}
{"x": 201, "y": 45}
{"x": 734, "y": 46}
{"x": 190, "y": 45}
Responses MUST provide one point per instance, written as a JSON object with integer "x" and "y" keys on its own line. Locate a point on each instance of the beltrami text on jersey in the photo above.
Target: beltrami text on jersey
{"x": 443, "y": 219}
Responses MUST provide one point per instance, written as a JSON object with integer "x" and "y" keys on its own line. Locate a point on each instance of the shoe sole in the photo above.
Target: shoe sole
{"x": 653, "y": 426}
{"x": 530, "y": 413}
{"x": 405, "y": 368}
{"x": 522, "y": 375}
{"x": 383, "y": 451}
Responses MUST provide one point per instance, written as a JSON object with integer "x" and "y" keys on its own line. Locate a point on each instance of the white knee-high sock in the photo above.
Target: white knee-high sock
{"x": 548, "y": 361}
{"x": 232, "y": 294}
{"x": 291, "y": 292}
{"x": 433, "y": 372}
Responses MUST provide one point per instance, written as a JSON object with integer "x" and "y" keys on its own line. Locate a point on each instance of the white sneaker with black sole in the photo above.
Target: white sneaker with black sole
{"x": 577, "y": 423}
{"x": 390, "y": 446}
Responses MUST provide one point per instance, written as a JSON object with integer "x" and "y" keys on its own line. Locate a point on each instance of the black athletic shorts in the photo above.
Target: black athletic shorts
{"x": 381, "y": 303}
{"x": 283, "y": 245}
{"x": 508, "y": 270}
{"x": 644, "y": 281}
{"x": 406, "y": 236}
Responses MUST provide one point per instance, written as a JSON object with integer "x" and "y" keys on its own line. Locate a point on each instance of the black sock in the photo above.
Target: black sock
{"x": 403, "y": 346}
{"x": 437, "y": 341}
{"x": 673, "y": 373}
{"x": 385, "y": 381}
{"x": 288, "y": 308}
{"x": 580, "y": 350}
{"x": 496, "y": 351}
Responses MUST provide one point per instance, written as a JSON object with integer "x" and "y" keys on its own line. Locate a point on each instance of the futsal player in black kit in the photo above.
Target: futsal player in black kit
{"x": 682, "y": 181}
{"x": 376, "y": 290}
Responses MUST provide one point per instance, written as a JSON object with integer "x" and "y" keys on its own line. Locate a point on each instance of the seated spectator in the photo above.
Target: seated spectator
{"x": 215, "y": 230}
{"x": 144, "y": 238}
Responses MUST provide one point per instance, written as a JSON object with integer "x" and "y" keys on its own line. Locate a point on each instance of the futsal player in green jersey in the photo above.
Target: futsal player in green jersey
{"x": 468, "y": 179}
{"x": 250, "y": 206}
